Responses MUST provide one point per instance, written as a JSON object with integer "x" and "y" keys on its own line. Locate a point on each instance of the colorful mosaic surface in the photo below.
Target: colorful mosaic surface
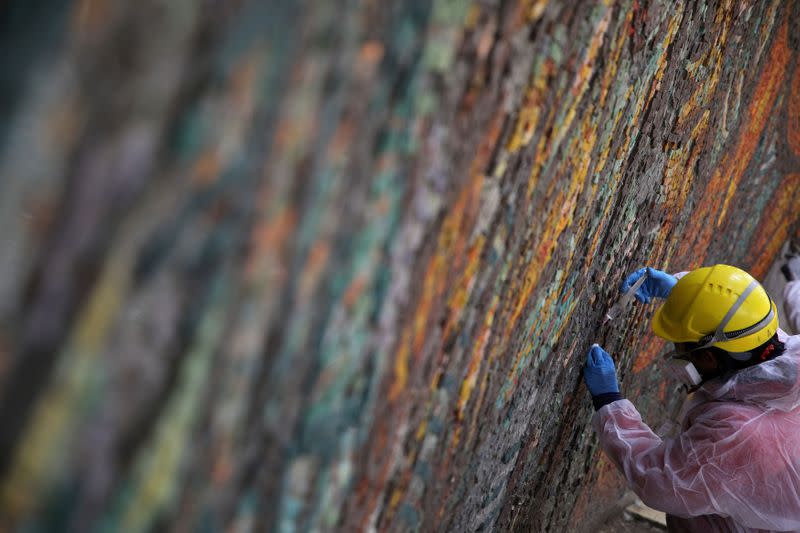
{"x": 312, "y": 266}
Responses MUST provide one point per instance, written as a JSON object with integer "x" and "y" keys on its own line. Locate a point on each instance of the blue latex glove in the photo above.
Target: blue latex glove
{"x": 658, "y": 284}
{"x": 599, "y": 373}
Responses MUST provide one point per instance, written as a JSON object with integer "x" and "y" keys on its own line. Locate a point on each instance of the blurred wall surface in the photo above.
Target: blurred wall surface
{"x": 301, "y": 265}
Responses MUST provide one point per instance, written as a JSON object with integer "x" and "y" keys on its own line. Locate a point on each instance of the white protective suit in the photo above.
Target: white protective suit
{"x": 735, "y": 466}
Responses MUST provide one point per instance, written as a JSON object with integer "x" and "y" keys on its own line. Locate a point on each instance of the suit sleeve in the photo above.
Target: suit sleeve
{"x": 680, "y": 476}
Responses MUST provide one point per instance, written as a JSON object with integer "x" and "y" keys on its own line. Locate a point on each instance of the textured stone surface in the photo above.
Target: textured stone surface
{"x": 335, "y": 265}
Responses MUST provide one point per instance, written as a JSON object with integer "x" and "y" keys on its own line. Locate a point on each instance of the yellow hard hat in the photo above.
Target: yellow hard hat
{"x": 720, "y": 306}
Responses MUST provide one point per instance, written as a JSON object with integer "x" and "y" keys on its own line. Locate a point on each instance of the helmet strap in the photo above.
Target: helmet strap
{"x": 734, "y": 361}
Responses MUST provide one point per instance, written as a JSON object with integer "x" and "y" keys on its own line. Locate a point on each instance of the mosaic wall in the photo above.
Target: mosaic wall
{"x": 310, "y": 266}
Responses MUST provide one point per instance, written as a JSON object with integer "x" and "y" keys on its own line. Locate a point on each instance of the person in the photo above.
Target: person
{"x": 735, "y": 464}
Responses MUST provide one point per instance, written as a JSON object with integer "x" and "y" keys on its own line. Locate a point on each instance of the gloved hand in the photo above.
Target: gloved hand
{"x": 599, "y": 373}
{"x": 658, "y": 284}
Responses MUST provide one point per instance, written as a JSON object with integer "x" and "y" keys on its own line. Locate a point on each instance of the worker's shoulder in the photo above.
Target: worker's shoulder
{"x": 721, "y": 414}
{"x": 744, "y": 418}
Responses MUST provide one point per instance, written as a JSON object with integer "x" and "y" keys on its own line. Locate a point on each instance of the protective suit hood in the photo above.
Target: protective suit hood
{"x": 772, "y": 384}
